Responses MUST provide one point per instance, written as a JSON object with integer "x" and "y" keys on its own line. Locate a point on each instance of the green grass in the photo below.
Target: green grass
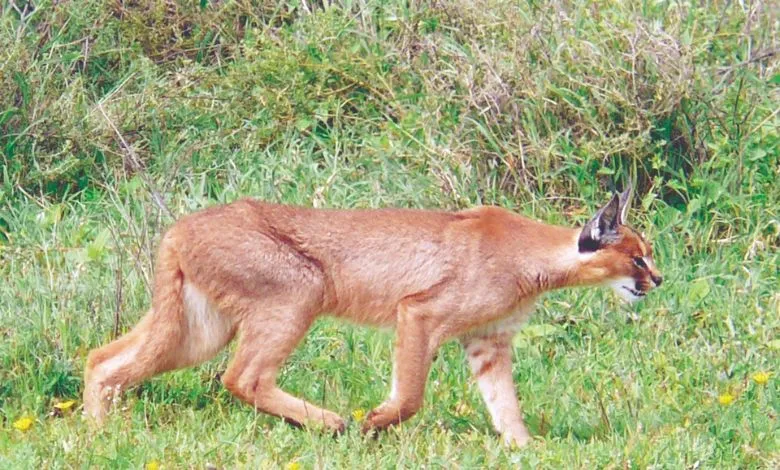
{"x": 535, "y": 106}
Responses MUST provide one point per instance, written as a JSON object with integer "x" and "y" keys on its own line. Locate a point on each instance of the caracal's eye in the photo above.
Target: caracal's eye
{"x": 639, "y": 262}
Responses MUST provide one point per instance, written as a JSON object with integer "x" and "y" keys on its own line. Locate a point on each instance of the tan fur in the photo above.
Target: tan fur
{"x": 266, "y": 271}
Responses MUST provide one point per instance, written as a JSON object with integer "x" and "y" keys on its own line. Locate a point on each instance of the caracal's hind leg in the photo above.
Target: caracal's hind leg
{"x": 267, "y": 337}
{"x": 181, "y": 330}
{"x": 490, "y": 358}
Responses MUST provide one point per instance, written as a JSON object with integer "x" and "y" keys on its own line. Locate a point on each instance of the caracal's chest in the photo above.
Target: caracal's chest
{"x": 506, "y": 325}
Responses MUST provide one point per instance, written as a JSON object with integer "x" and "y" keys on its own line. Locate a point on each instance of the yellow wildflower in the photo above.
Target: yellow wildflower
{"x": 761, "y": 378}
{"x": 359, "y": 414}
{"x": 24, "y": 423}
{"x": 292, "y": 466}
{"x": 65, "y": 405}
{"x": 726, "y": 399}
{"x": 153, "y": 465}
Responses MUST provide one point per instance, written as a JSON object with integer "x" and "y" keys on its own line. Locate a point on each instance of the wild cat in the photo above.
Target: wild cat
{"x": 267, "y": 271}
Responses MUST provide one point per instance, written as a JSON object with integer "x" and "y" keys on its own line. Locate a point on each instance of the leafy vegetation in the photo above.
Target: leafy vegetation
{"x": 117, "y": 117}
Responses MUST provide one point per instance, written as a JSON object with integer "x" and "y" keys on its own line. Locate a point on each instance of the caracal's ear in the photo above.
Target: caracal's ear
{"x": 602, "y": 229}
{"x": 624, "y": 203}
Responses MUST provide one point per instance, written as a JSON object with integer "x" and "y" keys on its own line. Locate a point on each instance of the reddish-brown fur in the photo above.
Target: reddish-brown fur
{"x": 266, "y": 271}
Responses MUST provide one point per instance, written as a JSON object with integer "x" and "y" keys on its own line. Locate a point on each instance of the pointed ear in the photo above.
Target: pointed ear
{"x": 602, "y": 228}
{"x": 624, "y": 203}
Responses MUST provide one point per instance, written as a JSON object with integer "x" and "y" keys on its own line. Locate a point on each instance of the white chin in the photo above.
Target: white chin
{"x": 625, "y": 290}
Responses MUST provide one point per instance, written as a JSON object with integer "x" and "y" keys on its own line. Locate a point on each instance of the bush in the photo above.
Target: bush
{"x": 520, "y": 98}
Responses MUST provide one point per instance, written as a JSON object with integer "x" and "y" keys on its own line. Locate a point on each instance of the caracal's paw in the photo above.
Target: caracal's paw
{"x": 96, "y": 404}
{"x": 98, "y": 400}
{"x": 334, "y": 422}
{"x": 321, "y": 421}
{"x": 382, "y": 417}
{"x": 517, "y": 437}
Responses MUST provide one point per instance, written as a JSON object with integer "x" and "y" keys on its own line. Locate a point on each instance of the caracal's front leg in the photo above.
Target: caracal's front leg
{"x": 414, "y": 349}
{"x": 490, "y": 358}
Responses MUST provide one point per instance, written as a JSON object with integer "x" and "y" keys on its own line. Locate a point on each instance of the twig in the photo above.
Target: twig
{"x": 119, "y": 284}
{"x": 604, "y": 416}
{"x": 138, "y": 235}
{"x": 118, "y": 300}
{"x": 32, "y": 198}
{"x": 135, "y": 164}
{"x": 774, "y": 113}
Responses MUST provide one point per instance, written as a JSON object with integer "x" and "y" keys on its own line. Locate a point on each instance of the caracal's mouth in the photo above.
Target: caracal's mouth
{"x": 626, "y": 290}
{"x": 634, "y": 292}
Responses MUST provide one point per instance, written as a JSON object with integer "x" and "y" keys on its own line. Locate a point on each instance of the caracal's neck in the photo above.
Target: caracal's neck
{"x": 548, "y": 258}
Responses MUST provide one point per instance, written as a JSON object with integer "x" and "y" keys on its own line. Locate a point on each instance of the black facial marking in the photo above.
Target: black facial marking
{"x": 587, "y": 244}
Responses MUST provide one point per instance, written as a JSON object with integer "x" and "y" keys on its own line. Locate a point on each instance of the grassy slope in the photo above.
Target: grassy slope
{"x": 533, "y": 107}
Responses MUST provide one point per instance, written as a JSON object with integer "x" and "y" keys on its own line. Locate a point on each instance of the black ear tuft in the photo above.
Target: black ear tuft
{"x": 602, "y": 228}
{"x": 587, "y": 244}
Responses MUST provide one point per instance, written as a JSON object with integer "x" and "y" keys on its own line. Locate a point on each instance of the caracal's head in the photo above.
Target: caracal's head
{"x": 618, "y": 255}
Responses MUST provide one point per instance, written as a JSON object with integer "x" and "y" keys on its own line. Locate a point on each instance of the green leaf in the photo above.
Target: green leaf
{"x": 51, "y": 215}
{"x": 757, "y": 154}
{"x": 97, "y": 249}
{"x": 694, "y": 205}
{"x": 7, "y": 114}
{"x": 539, "y": 331}
{"x": 648, "y": 200}
{"x": 699, "y": 289}
{"x": 5, "y": 229}
{"x": 304, "y": 123}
